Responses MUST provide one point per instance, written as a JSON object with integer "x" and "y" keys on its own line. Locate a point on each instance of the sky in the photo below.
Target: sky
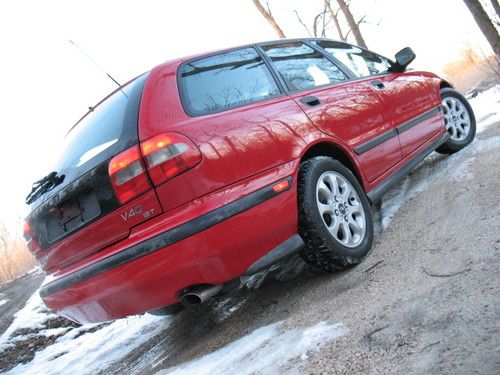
{"x": 48, "y": 84}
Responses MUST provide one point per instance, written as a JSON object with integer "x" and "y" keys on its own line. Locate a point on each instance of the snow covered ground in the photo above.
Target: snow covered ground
{"x": 91, "y": 349}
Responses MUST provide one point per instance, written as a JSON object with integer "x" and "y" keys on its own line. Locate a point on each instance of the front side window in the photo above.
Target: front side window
{"x": 225, "y": 81}
{"x": 362, "y": 63}
{"x": 302, "y": 67}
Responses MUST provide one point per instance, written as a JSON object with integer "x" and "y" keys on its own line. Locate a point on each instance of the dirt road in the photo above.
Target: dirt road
{"x": 426, "y": 300}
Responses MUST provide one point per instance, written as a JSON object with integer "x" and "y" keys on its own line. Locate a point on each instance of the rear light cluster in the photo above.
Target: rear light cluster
{"x": 31, "y": 242}
{"x": 157, "y": 159}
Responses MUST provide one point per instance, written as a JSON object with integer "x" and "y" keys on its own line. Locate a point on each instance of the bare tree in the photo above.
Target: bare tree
{"x": 485, "y": 24}
{"x": 302, "y": 22}
{"x": 496, "y": 7}
{"x": 353, "y": 25}
{"x": 335, "y": 18}
{"x": 269, "y": 17}
{"x": 4, "y": 236}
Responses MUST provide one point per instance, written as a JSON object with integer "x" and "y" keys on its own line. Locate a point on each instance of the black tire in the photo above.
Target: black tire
{"x": 168, "y": 310}
{"x": 451, "y": 146}
{"x": 322, "y": 249}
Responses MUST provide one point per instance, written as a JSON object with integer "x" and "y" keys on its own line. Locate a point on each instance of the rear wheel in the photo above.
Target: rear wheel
{"x": 335, "y": 218}
{"x": 459, "y": 121}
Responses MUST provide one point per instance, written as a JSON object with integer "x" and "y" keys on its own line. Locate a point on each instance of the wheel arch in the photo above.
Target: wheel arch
{"x": 335, "y": 151}
{"x": 445, "y": 84}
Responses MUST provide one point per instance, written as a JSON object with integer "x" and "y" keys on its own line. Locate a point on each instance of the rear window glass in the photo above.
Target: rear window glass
{"x": 110, "y": 126}
{"x": 225, "y": 81}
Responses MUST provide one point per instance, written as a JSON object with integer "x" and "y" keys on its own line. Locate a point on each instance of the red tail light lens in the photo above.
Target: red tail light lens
{"x": 168, "y": 155}
{"x": 30, "y": 241}
{"x": 127, "y": 174}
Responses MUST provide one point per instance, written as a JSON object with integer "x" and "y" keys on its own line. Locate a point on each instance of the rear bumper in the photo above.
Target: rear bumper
{"x": 202, "y": 243}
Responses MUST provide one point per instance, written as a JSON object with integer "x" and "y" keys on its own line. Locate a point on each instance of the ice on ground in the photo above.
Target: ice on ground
{"x": 267, "y": 350}
{"x": 31, "y": 316}
{"x": 486, "y": 108}
{"x": 78, "y": 349}
{"x": 4, "y": 301}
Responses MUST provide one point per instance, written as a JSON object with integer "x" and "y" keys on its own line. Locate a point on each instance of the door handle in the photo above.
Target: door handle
{"x": 378, "y": 84}
{"x": 310, "y": 100}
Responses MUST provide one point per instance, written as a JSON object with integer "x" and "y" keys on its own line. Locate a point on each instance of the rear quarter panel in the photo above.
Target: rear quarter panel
{"x": 235, "y": 144}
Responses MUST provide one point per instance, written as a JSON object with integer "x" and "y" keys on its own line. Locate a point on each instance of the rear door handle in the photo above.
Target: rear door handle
{"x": 378, "y": 84}
{"x": 310, "y": 100}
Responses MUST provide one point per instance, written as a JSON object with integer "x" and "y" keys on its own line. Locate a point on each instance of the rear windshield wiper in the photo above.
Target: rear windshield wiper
{"x": 44, "y": 185}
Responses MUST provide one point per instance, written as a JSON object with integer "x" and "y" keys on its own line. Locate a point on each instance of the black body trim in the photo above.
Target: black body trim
{"x": 374, "y": 142}
{"x": 379, "y": 139}
{"x": 375, "y": 194}
{"x": 162, "y": 240}
{"x": 424, "y": 116}
{"x": 283, "y": 250}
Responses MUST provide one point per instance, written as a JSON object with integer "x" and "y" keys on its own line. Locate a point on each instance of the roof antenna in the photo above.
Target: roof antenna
{"x": 100, "y": 68}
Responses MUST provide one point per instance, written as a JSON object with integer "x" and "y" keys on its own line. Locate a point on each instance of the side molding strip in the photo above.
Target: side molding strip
{"x": 379, "y": 139}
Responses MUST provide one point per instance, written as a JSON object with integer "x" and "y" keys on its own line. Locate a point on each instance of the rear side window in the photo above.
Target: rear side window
{"x": 228, "y": 80}
{"x": 302, "y": 67}
{"x": 362, "y": 63}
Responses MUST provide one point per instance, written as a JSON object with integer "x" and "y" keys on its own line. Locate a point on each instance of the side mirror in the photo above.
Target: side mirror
{"x": 403, "y": 59}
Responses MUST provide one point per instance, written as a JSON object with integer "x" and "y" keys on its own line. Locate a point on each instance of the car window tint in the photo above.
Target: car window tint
{"x": 224, "y": 81}
{"x": 302, "y": 67}
{"x": 362, "y": 63}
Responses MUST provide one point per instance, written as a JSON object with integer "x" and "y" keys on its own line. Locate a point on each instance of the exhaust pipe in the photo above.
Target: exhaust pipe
{"x": 199, "y": 294}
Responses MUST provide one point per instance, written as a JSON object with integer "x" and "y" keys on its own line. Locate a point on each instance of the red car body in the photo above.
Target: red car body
{"x": 211, "y": 223}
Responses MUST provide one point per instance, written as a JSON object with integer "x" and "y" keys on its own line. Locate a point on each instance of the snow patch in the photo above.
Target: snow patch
{"x": 3, "y": 302}
{"x": 78, "y": 349}
{"x": 486, "y": 108}
{"x": 267, "y": 350}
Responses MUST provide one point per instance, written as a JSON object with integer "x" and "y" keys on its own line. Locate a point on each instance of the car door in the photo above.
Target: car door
{"x": 411, "y": 98}
{"x": 351, "y": 111}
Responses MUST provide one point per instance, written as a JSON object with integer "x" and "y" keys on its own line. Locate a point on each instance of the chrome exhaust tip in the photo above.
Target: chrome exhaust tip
{"x": 199, "y": 294}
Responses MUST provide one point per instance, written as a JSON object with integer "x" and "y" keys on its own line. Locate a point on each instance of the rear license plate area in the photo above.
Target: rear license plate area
{"x": 68, "y": 217}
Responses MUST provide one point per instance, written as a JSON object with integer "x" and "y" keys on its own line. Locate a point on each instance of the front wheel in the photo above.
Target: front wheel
{"x": 335, "y": 218}
{"x": 459, "y": 121}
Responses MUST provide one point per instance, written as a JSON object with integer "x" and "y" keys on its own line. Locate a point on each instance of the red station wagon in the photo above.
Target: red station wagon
{"x": 214, "y": 167}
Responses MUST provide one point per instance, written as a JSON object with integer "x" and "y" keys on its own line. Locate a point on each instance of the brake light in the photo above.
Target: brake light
{"x": 168, "y": 155}
{"x": 127, "y": 174}
{"x": 30, "y": 240}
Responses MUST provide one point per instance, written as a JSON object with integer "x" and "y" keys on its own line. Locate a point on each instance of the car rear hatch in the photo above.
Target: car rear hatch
{"x": 99, "y": 189}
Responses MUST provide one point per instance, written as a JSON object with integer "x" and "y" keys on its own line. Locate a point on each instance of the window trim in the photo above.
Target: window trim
{"x": 355, "y": 77}
{"x": 182, "y": 91}
{"x": 282, "y": 87}
{"x": 340, "y": 66}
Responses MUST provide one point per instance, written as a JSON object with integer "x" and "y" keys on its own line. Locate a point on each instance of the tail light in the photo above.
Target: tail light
{"x": 168, "y": 155}
{"x": 128, "y": 175}
{"x": 31, "y": 242}
{"x": 165, "y": 156}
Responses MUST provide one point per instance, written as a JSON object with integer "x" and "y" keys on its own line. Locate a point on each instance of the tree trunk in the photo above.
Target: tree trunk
{"x": 335, "y": 20}
{"x": 496, "y": 7}
{"x": 269, "y": 17}
{"x": 352, "y": 24}
{"x": 485, "y": 24}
